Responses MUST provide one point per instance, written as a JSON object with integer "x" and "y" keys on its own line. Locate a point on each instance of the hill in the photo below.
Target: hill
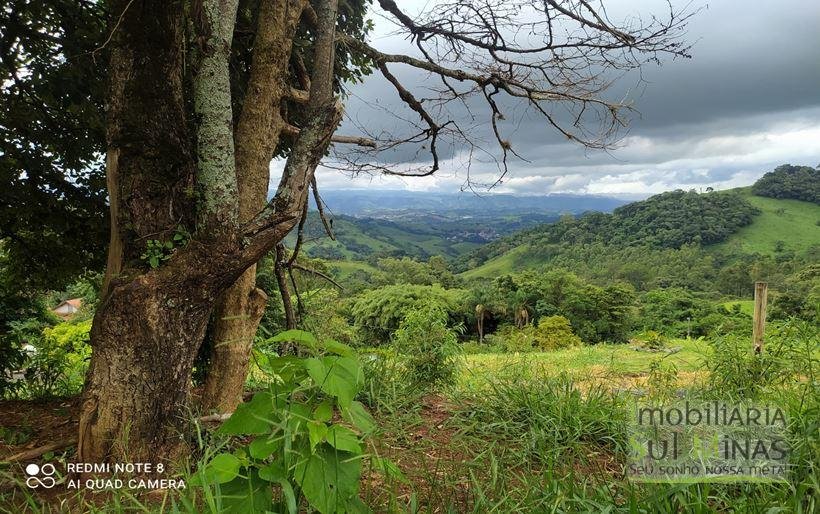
{"x": 726, "y": 223}
{"x": 781, "y": 225}
{"x": 667, "y": 220}
{"x": 419, "y": 236}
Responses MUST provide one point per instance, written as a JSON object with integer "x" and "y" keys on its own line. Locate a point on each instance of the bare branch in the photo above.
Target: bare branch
{"x": 328, "y": 225}
{"x": 559, "y": 57}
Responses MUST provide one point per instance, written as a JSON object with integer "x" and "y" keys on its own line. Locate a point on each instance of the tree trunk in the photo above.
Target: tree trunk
{"x": 147, "y": 330}
{"x": 236, "y": 318}
{"x": 238, "y": 315}
{"x": 145, "y": 336}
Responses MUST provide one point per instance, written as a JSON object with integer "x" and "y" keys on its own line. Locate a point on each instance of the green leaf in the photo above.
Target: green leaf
{"x": 272, "y": 472}
{"x": 246, "y": 495}
{"x": 154, "y": 261}
{"x": 316, "y": 433}
{"x": 275, "y": 473}
{"x": 336, "y": 347}
{"x": 329, "y": 479}
{"x": 388, "y": 468}
{"x": 309, "y": 341}
{"x": 254, "y": 417}
{"x": 263, "y": 447}
{"x": 342, "y": 438}
{"x": 224, "y": 467}
{"x": 298, "y": 415}
{"x": 296, "y": 336}
{"x": 289, "y": 369}
{"x": 337, "y": 376}
{"x": 359, "y": 417}
{"x": 323, "y": 412}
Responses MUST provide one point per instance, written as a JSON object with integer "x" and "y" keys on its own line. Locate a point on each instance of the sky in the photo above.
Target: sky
{"x": 747, "y": 101}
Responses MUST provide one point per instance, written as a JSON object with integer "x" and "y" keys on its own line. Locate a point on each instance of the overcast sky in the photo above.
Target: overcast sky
{"x": 748, "y": 100}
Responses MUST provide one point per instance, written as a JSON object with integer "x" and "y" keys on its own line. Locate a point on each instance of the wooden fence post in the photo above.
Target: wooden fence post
{"x": 759, "y": 315}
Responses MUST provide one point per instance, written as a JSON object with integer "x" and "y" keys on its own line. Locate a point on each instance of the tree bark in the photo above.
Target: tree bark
{"x": 238, "y": 314}
{"x": 147, "y": 330}
{"x": 237, "y": 317}
{"x": 145, "y": 336}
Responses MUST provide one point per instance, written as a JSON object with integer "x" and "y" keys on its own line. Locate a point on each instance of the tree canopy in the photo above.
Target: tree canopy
{"x": 788, "y": 181}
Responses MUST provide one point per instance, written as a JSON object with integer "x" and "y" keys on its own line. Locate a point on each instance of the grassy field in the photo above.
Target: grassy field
{"x": 746, "y": 306}
{"x": 343, "y": 269}
{"x": 618, "y": 365}
{"x": 792, "y": 222}
{"x": 517, "y": 259}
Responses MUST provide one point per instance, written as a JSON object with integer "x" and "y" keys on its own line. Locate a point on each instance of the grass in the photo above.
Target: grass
{"x": 343, "y": 269}
{"x": 517, "y": 259}
{"x": 746, "y": 306}
{"x": 791, "y": 222}
{"x": 618, "y": 365}
{"x": 539, "y": 432}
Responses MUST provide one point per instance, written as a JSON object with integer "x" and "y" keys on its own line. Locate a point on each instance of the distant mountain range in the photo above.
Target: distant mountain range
{"x": 420, "y": 224}
{"x": 394, "y": 204}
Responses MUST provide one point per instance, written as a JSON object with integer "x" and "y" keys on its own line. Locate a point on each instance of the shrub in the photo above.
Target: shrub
{"x": 650, "y": 339}
{"x": 676, "y": 312}
{"x": 321, "y": 316}
{"x": 60, "y": 358}
{"x": 429, "y": 347}
{"x": 551, "y": 333}
{"x": 555, "y": 332}
{"x": 377, "y": 314}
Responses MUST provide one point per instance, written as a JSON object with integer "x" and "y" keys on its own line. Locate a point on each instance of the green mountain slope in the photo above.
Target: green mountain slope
{"x": 778, "y": 225}
{"x": 787, "y": 225}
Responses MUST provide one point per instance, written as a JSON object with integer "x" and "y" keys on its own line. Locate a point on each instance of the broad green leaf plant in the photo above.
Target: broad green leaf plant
{"x": 304, "y": 435}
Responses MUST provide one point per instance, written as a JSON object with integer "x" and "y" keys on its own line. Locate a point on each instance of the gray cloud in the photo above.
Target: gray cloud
{"x": 749, "y": 99}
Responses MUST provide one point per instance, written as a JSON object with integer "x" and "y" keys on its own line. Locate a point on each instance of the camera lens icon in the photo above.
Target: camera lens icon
{"x": 40, "y": 476}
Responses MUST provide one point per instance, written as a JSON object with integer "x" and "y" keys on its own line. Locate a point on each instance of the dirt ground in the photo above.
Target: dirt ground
{"x": 25, "y": 425}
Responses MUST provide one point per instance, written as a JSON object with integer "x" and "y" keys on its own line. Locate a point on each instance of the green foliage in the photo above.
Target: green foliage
{"x": 789, "y": 356}
{"x": 662, "y": 381}
{"x": 548, "y": 417}
{"x": 321, "y": 316}
{"x": 676, "y": 312}
{"x": 596, "y": 314}
{"x": 650, "y": 339}
{"x": 52, "y": 136}
{"x": 429, "y": 347}
{"x": 156, "y": 251}
{"x": 555, "y": 332}
{"x": 378, "y": 313}
{"x": 304, "y": 435}
{"x": 388, "y": 388}
{"x": 668, "y": 220}
{"x": 408, "y": 271}
{"x": 23, "y": 315}
{"x": 787, "y": 181}
{"x": 59, "y": 361}
{"x": 551, "y": 333}
{"x": 799, "y": 296}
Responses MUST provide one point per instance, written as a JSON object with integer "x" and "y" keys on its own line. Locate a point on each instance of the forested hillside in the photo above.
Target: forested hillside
{"x": 667, "y": 220}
